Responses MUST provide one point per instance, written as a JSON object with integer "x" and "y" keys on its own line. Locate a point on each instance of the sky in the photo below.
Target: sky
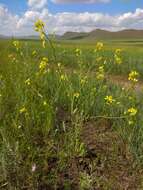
{"x": 17, "y": 17}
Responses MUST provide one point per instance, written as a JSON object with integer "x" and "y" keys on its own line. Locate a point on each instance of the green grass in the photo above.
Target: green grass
{"x": 42, "y": 111}
{"x": 132, "y": 53}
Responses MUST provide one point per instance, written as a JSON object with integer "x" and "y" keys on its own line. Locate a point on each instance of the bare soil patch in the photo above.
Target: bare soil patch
{"x": 107, "y": 162}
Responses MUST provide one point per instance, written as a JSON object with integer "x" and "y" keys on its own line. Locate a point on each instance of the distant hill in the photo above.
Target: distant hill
{"x": 99, "y": 34}
{"x": 74, "y": 35}
{"x": 3, "y": 37}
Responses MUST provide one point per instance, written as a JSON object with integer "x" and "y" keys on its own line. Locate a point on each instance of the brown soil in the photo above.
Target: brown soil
{"x": 108, "y": 161}
{"x": 123, "y": 81}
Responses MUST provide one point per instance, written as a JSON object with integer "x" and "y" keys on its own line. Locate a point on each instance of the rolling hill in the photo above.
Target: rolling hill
{"x": 99, "y": 34}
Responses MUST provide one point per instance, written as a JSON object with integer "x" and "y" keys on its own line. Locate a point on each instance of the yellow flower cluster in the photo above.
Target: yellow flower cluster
{"x": 133, "y": 76}
{"x": 117, "y": 56}
{"x": 16, "y": 45}
{"x": 78, "y": 52}
{"x": 43, "y": 64}
{"x": 76, "y": 95}
{"x": 132, "y": 111}
{"x": 39, "y": 27}
{"x": 118, "y": 60}
{"x": 99, "y": 46}
{"x": 28, "y": 82}
{"x": 83, "y": 80}
{"x": 118, "y": 51}
{"x": 22, "y": 110}
{"x": 100, "y": 74}
{"x": 63, "y": 77}
{"x": 109, "y": 100}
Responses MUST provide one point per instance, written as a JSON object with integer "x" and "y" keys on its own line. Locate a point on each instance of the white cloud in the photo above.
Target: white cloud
{"x": 25, "y": 24}
{"x": 81, "y": 21}
{"x": 80, "y": 1}
{"x": 37, "y": 4}
{"x": 132, "y": 20}
{"x": 61, "y": 22}
{"x": 8, "y": 21}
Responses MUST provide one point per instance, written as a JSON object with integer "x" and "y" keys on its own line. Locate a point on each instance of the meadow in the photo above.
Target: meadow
{"x": 71, "y": 115}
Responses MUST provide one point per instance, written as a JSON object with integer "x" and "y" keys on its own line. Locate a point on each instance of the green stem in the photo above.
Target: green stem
{"x": 109, "y": 117}
{"x": 52, "y": 46}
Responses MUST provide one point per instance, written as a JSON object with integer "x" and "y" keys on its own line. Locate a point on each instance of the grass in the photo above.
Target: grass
{"x": 47, "y": 106}
{"x": 132, "y": 59}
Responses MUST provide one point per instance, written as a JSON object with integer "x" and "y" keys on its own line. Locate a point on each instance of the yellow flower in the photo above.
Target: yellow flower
{"x": 109, "y": 99}
{"x": 16, "y": 45}
{"x": 99, "y": 46}
{"x": 133, "y": 76}
{"x": 118, "y": 60}
{"x": 23, "y": 110}
{"x": 28, "y": 82}
{"x": 43, "y": 64}
{"x": 78, "y": 52}
{"x": 131, "y": 122}
{"x": 132, "y": 111}
{"x": 76, "y": 95}
{"x": 118, "y": 51}
{"x": 39, "y": 25}
{"x": 63, "y": 77}
{"x": 59, "y": 64}
{"x": 83, "y": 80}
{"x": 44, "y": 103}
{"x": 100, "y": 73}
{"x": 45, "y": 59}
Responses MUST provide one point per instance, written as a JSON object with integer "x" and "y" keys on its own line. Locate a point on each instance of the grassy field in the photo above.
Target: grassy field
{"x": 63, "y": 123}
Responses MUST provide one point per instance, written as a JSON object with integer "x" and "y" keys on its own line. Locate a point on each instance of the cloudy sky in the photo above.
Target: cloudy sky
{"x": 18, "y": 16}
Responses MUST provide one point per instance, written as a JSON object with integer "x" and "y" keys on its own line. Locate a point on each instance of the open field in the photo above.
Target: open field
{"x": 71, "y": 116}
{"x": 132, "y": 52}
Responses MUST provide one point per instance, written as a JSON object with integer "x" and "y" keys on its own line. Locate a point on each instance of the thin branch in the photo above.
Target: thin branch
{"x": 109, "y": 117}
{"x": 52, "y": 46}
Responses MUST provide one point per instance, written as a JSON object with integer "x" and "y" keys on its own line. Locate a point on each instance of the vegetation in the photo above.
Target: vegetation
{"x": 63, "y": 123}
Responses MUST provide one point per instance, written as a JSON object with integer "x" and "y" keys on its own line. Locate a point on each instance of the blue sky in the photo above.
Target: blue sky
{"x": 17, "y": 17}
{"x": 114, "y": 7}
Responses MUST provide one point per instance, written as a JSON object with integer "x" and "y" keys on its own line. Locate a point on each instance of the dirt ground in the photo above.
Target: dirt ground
{"x": 107, "y": 162}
